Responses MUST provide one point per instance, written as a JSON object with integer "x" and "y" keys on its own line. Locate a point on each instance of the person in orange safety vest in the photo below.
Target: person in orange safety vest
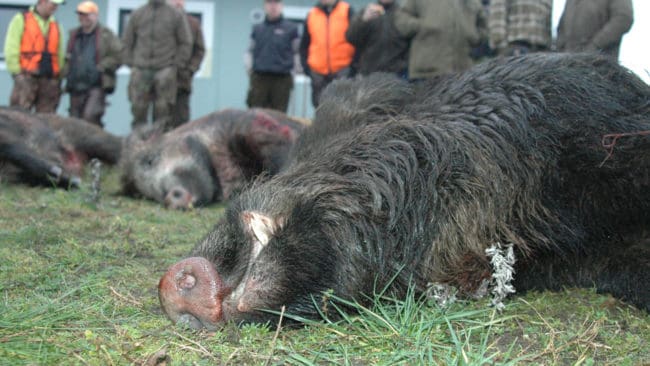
{"x": 34, "y": 54}
{"x": 325, "y": 53}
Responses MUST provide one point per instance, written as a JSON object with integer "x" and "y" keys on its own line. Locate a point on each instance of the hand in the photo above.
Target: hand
{"x": 372, "y": 11}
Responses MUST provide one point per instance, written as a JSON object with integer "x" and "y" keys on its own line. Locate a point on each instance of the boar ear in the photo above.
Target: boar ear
{"x": 259, "y": 226}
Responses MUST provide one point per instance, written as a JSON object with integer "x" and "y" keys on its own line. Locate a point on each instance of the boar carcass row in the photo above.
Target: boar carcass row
{"x": 508, "y": 152}
{"x": 48, "y": 149}
{"x": 206, "y": 160}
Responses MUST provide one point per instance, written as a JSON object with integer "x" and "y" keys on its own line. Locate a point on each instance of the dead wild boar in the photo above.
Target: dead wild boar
{"x": 509, "y": 152}
{"x": 206, "y": 160}
{"x": 50, "y": 149}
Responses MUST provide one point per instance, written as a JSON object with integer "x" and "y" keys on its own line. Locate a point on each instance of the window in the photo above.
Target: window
{"x": 124, "y": 16}
{"x": 7, "y": 12}
{"x": 297, "y": 14}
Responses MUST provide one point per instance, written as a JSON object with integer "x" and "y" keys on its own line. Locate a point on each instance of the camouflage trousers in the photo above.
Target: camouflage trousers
{"x": 320, "y": 81}
{"x": 152, "y": 86}
{"x": 34, "y": 92}
{"x": 269, "y": 91}
{"x": 89, "y": 105}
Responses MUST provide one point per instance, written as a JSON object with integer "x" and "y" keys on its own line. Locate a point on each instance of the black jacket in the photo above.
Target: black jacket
{"x": 273, "y": 50}
{"x": 379, "y": 46}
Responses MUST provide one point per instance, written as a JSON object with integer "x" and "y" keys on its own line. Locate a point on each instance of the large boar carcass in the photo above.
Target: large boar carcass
{"x": 48, "y": 149}
{"x": 208, "y": 159}
{"x": 509, "y": 152}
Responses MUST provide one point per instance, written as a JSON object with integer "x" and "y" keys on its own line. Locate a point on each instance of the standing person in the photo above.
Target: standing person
{"x": 186, "y": 73}
{"x": 270, "y": 58}
{"x": 157, "y": 43}
{"x": 442, "y": 33}
{"x": 594, "y": 26}
{"x": 518, "y": 27}
{"x": 325, "y": 54}
{"x": 482, "y": 51}
{"x": 34, "y": 53}
{"x": 93, "y": 55}
{"x": 379, "y": 45}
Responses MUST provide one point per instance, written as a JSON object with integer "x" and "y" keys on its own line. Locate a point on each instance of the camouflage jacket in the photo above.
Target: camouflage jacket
{"x": 442, "y": 33}
{"x": 156, "y": 36}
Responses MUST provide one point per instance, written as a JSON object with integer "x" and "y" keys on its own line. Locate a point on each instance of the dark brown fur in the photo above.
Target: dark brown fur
{"x": 50, "y": 149}
{"x": 411, "y": 194}
{"x": 209, "y": 159}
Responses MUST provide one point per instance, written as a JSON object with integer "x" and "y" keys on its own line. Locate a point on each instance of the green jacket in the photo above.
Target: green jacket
{"x": 15, "y": 35}
{"x": 157, "y": 36}
{"x": 594, "y": 25}
{"x": 442, "y": 33}
{"x": 109, "y": 52}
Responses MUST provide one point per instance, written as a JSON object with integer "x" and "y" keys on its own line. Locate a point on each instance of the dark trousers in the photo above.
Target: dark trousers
{"x": 181, "y": 109}
{"x": 89, "y": 105}
{"x": 269, "y": 90}
{"x": 320, "y": 81}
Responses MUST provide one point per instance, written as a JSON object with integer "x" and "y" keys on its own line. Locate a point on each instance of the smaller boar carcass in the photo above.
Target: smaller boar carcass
{"x": 48, "y": 149}
{"x": 509, "y": 152}
{"x": 208, "y": 159}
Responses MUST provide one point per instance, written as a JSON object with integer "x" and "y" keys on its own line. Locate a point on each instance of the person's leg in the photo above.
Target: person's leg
{"x": 95, "y": 106}
{"x": 23, "y": 94}
{"x": 48, "y": 95}
{"x": 140, "y": 95}
{"x": 318, "y": 83}
{"x": 258, "y": 91}
{"x": 77, "y": 103}
{"x": 165, "y": 87}
{"x": 281, "y": 92}
{"x": 182, "y": 107}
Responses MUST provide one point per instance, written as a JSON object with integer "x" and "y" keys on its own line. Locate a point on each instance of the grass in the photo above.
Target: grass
{"x": 78, "y": 287}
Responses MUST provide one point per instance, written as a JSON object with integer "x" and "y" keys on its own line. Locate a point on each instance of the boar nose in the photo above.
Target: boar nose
{"x": 179, "y": 198}
{"x": 192, "y": 292}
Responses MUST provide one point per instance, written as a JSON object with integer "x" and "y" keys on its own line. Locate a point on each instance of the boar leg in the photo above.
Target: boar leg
{"x": 41, "y": 170}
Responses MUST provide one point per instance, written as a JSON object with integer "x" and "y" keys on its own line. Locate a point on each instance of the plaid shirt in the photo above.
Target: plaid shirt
{"x": 520, "y": 20}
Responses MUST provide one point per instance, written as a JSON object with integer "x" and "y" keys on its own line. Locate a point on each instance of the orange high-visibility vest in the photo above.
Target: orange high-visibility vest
{"x": 329, "y": 51}
{"x": 33, "y": 45}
